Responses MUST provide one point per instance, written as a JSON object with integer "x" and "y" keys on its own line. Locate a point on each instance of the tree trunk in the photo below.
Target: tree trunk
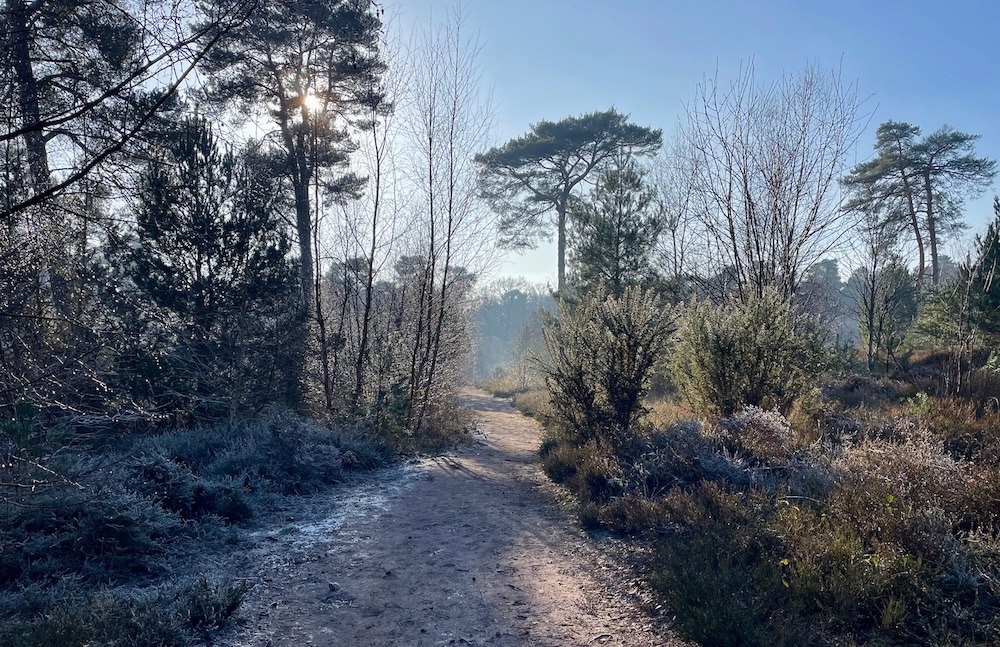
{"x": 932, "y": 229}
{"x": 561, "y": 243}
{"x": 366, "y": 315}
{"x": 918, "y": 236}
{"x": 18, "y": 45}
{"x": 303, "y": 227}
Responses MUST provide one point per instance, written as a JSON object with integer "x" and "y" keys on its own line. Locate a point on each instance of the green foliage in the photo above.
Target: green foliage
{"x": 536, "y": 172}
{"x": 602, "y": 352}
{"x": 212, "y": 281}
{"x": 980, "y": 277}
{"x": 615, "y": 231}
{"x": 532, "y": 175}
{"x": 209, "y": 232}
{"x": 946, "y": 331}
{"x": 759, "y": 353}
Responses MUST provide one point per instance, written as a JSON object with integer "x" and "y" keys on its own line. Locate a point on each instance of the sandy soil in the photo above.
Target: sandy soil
{"x": 469, "y": 549}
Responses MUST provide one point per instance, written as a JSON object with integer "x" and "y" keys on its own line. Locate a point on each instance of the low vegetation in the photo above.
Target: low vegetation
{"x": 783, "y": 507}
{"x": 94, "y": 537}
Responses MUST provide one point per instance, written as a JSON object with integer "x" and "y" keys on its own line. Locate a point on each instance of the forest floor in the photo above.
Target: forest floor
{"x": 473, "y": 548}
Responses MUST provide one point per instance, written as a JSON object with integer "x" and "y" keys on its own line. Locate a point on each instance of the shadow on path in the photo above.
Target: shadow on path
{"x": 472, "y": 550}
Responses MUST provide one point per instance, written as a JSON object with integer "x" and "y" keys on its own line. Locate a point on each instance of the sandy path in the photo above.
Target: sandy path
{"x": 470, "y": 549}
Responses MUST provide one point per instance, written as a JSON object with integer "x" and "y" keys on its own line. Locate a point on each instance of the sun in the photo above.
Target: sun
{"x": 311, "y": 102}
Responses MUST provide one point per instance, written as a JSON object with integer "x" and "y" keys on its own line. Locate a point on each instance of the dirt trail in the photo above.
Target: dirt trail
{"x": 470, "y": 549}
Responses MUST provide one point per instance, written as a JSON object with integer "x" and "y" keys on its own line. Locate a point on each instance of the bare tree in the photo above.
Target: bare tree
{"x": 676, "y": 254}
{"x": 448, "y": 121}
{"x": 353, "y": 325}
{"x": 764, "y": 163}
{"x": 884, "y": 292}
{"x": 399, "y": 261}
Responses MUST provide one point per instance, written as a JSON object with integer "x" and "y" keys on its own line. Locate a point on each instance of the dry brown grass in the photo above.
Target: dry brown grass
{"x": 535, "y": 404}
{"x": 664, "y": 412}
{"x": 508, "y": 386}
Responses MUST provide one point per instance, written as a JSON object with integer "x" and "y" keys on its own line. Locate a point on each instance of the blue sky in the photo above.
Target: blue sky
{"x": 927, "y": 63}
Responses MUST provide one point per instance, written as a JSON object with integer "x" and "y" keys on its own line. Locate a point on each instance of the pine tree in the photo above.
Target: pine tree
{"x": 981, "y": 278}
{"x": 533, "y": 175}
{"x": 209, "y": 261}
{"x": 615, "y": 231}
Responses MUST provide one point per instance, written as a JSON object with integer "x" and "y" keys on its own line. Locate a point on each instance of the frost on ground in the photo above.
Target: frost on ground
{"x": 467, "y": 549}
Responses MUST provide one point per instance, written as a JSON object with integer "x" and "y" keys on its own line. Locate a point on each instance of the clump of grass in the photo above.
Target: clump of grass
{"x": 174, "y": 615}
{"x": 534, "y": 404}
{"x": 508, "y": 385}
{"x": 665, "y": 412}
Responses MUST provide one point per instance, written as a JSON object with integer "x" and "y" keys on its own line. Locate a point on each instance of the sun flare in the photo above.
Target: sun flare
{"x": 311, "y": 102}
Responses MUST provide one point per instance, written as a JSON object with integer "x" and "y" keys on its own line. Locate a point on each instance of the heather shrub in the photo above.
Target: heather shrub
{"x": 174, "y": 615}
{"x": 111, "y": 535}
{"x": 174, "y": 487}
{"x": 279, "y": 452}
{"x": 764, "y": 435}
{"x": 864, "y": 512}
{"x": 670, "y": 457}
{"x": 88, "y": 531}
{"x": 723, "y": 579}
{"x": 560, "y": 459}
{"x": 592, "y": 472}
{"x": 967, "y": 431}
{"x": 632, "y": 514}
{"x": 599, "y": 474}
{"x": 760, "y": 352}
{"x": 854, "y": 391}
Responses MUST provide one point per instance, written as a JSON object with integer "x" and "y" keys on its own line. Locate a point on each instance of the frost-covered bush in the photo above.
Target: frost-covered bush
{"x": 601, "y": 352}
{"x": 279, "y": 452}
{"x": 765, "y": 435}
{"x": 759, "y": 353}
